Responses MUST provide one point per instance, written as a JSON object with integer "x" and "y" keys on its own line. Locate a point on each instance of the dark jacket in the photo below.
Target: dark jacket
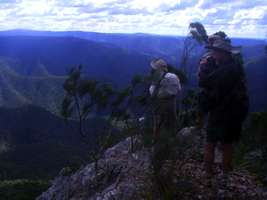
{"x": 225, "y": 90}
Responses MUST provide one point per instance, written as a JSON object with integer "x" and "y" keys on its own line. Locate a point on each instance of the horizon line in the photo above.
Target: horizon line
{"x": 122, "y": 33}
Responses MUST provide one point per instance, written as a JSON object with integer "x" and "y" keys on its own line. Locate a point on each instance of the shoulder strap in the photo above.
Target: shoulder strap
{"x": 157, "y": 86}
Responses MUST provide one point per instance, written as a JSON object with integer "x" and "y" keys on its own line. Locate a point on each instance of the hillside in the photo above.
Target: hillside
{"x": 42, "y": 89}
{"x": 36, "y": 144}
{"x": 257, "y": 82}
{"x": 59, "y": 54}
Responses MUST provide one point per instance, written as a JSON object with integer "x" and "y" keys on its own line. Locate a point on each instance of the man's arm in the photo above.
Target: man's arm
{"x": 152, "y": 90}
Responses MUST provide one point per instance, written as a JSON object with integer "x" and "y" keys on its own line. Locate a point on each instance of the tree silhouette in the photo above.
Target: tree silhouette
{"x": 198, "y": 32}
{"x": 197, "y": 36}
{"x": 182, "y": 76}
{"x": 82, "y": 97}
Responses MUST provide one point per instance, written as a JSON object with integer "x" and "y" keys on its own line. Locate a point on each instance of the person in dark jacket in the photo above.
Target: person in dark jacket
{"x": 207, "y": 65}
{"x": 227, "y": 103}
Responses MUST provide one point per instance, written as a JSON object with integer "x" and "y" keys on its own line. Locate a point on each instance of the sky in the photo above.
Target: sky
{"x": 238, "y": 18}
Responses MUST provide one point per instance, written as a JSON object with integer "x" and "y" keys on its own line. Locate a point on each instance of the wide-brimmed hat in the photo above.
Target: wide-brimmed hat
{"x": 225, "y": 46}
{"x": 158, "y": 64}
{"x": 214, "y": 37}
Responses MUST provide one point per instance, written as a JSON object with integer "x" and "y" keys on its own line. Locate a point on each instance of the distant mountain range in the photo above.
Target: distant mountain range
{"x": 154, "y": 45}
{"x": 40, "y": 59}
{"x": 33, "y": 68}
{"x": 59, "y": 54}
{"x": 168, "y": 47}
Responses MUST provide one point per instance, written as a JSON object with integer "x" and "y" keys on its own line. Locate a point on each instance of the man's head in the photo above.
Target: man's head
{"x": 221, "y": 50}
{"x": 159, "y": 65}
{"x": 213, "y": 38}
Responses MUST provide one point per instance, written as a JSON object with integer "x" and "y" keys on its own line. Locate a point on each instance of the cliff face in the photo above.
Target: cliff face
{"x": 120, "y": 175}
{"x": 124, "y": 174}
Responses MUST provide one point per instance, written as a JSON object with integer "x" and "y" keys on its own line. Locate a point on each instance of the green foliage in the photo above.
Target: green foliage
{"x": 136, "y": 80}
{"x": 83, "y": 96}
{"x": 190, "y": 100}
{"x": 198, "y": 32}
{"x": 44, "y": 162}
{"x": 121, "y": 96}
{"x": 67, "y": 109}
{"x": 259, "y": 127}
{"x": 22, "y": 189}
{"x": 251, "y": 152}
{"x": 197, "y": 36}
{"x": 141, "y": 99}
{"x": 166, "y": 150}
{"x": 128, "y": 97}
{"x": 188, "y": 110}
{"x": 87, "y": 86}
{"x": 102, "y": 96}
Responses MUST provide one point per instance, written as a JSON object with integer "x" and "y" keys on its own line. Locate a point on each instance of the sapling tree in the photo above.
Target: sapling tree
{"x": 84, "y": 96}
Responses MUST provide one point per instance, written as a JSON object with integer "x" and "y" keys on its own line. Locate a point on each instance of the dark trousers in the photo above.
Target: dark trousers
{"x": 164, "y": 129}
{"x": 165, "y": 116}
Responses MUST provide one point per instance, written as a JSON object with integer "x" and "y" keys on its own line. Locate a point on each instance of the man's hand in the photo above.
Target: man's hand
{"x": 203, "y": 61}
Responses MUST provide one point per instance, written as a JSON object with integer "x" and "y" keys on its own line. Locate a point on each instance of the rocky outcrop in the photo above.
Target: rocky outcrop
{"x": 121, "y": 174}
{"x": 126, "y": 175}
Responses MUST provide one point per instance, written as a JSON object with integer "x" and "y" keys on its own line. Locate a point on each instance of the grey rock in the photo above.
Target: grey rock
{"x": 121, "y": 175}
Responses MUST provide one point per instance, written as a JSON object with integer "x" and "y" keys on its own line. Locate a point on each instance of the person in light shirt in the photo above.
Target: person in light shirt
{"x": 164, "y": 89}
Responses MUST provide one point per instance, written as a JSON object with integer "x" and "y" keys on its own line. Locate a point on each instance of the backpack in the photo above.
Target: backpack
{"x": 234, "y": 99}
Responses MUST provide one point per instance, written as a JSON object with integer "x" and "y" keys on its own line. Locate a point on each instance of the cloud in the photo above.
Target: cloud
{"x": 255, "y": 13}
{"x": 236, "y": 4}
{"x": 9, "y": 1}
{"x": 239, "y": 18}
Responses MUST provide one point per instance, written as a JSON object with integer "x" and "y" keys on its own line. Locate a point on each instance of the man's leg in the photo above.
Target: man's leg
{"x": 209, "y": 157}
{"x": 227, "y": 150}
{"x": 156, "y": 119}
{"x": 200, "y": 120}
{"x": 170, "y": 116}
